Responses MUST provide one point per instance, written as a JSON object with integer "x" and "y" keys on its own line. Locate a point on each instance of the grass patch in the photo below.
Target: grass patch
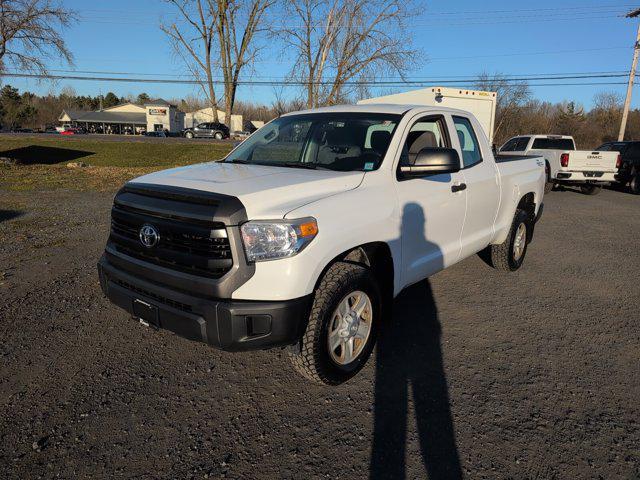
{"x": 110, "y": 153}
{"x": 54, "y": 177}
{"x": 112, "y": 163}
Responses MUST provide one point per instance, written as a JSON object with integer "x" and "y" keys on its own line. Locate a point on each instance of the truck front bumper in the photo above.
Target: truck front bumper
{"x": 224, "y": 324}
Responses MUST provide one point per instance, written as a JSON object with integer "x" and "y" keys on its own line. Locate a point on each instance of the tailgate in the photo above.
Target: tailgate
{"x": 586, "y": 161}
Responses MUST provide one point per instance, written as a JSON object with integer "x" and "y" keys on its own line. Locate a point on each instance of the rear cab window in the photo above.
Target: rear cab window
{"x": 469, "y": 145}
{"x": 553, "y": 144}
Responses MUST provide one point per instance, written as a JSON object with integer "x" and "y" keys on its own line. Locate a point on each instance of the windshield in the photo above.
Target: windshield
{"x": 334, "y": 141}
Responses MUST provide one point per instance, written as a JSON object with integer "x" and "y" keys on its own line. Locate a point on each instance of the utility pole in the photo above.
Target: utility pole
{"x": 632, "y": 76}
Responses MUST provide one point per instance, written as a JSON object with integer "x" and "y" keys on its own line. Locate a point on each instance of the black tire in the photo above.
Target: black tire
{"x": 548, "y": 186}
{"x": 634, "y": 184}
{"x": 502, "y": 257}
{"x": 310, "y": 356}
{"x": 590, "y": 189}
{"x": 189, "y": 135}
{"x": 218, "y": 136}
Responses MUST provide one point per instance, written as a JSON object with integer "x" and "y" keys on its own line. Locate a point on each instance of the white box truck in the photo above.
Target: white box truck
{"x": 481, "y": 104}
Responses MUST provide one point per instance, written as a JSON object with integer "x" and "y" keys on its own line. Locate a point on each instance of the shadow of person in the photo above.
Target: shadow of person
{"x": 409, "y": 358}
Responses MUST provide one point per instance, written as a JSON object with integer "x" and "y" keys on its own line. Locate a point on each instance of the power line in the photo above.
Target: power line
{"x": 433, "y": 23}
{"x": 298, "y": 83}
{"x": 507, "y": 77}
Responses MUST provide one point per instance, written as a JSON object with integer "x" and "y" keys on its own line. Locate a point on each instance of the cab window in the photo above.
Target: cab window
{"x": 469, "y": 145}
{"x": 510, "y": 146}
{"x": 516, "y": 144}
{"x": 427, "y": 132}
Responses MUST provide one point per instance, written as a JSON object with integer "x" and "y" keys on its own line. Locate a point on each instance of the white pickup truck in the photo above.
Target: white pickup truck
{"x": 566, "y": 165}
{"x": 301, "y": 234}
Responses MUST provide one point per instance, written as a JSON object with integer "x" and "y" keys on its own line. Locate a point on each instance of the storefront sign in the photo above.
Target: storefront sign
{"x": 157, "y": 111}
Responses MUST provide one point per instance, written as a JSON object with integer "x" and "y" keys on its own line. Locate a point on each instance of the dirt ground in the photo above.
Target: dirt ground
{"x": 480, "y": 374}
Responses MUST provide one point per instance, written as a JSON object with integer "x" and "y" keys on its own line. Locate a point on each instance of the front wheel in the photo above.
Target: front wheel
{"x": 342, "y": 327}
{"x": 590, "y": 189}
{"x": 189, "y": 135}
{"x": 509, "y": 255}
{"x": 218, "y": 136}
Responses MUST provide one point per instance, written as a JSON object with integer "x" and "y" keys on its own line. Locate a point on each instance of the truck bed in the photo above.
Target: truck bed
{"x": 503, "y": 157}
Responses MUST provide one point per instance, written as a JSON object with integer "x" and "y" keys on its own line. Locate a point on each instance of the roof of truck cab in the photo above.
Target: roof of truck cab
{"x": 546, "y": 135}
{"x": 388, "y": 108}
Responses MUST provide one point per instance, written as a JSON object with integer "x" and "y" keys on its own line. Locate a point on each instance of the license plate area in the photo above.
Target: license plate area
{"x": 146, "y": 313}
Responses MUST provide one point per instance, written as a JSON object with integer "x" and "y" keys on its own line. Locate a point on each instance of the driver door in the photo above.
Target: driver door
{"x": 432, "y": 208}
{"x": 204, "y": 130}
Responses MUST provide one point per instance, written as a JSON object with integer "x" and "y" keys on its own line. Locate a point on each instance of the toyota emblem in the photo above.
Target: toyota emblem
{"x": 149, "y": 236}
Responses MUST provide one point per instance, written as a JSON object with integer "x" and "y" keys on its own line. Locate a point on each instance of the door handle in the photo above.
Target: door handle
{"x": 458, "y": 188}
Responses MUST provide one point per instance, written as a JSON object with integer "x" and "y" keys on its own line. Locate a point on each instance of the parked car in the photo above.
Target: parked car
{"x": 629, "y": 170}
{"x": 564, "y": 164}
{"x": 218, "y": 131}
{"x": 158, "y": 133}
{"x": 22, "y": 130}
{"x": 302, "y": 234}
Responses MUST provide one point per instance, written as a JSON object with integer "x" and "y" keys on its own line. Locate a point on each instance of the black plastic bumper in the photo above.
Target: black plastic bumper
{"x": 225, "y": 324}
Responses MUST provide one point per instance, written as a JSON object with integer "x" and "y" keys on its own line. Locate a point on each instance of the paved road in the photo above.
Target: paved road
{"x": 529, "y": 375}
{"x": 113, "y": 138}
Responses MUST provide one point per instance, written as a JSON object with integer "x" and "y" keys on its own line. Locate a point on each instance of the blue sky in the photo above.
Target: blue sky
{"x": 459, "y": 38}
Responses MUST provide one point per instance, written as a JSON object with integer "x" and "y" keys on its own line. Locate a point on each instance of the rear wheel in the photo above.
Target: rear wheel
{"x": 509, "y": 255}
{"x": 218, "y": 136}
{"x": 634, "y": 184}
{"x": 548, "y": 186}
{"x": 342, "y": 327}
{"x": 590, "y": 189}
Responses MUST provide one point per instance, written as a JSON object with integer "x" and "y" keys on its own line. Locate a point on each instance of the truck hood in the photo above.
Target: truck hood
{"x": 265, "y": 191}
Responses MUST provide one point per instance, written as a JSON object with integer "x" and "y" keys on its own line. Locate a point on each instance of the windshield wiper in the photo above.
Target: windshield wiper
{"x": 309, "y": 166}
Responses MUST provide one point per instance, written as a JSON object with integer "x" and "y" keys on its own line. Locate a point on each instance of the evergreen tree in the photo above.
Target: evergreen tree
{"x": 142, "y": 98}
{"x": 110, "y": 100}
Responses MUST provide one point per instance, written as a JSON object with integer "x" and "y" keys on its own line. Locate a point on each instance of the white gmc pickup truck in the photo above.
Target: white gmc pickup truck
{"x": 298, "y": 237}
{"x": 566, "y": 165}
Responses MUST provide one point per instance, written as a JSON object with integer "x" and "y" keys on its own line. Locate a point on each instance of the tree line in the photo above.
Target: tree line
{"x": 518, "y": 113}
{"x": 336, "y": 48}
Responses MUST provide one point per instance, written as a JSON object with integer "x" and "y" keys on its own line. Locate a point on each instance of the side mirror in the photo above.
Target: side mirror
{"x": 433, "y": 161}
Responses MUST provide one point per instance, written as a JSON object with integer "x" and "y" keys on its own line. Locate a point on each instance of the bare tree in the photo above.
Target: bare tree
{"x": 280, "y": 105}
{"x": 606, "y": 115}
{"x": 30, "y": 34}
{"x": 225, "y": 29}
{"x": 511, "y": 96}
{"x": 340, "y": 44}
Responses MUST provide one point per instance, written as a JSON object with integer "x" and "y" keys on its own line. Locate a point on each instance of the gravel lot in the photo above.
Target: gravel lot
{"x": 530, "y": 375}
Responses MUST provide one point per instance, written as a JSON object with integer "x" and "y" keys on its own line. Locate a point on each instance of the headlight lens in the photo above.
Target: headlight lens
{"x": 269, "y": 240}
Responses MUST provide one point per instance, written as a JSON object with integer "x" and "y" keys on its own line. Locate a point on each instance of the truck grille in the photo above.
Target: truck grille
{"x": 188, "y": 245}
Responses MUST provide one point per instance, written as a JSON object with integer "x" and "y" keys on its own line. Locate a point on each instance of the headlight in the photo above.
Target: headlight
{"x": 269, "y": 240}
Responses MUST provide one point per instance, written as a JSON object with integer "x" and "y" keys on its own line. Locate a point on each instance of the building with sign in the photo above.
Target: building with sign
{"x": 128, "y": 118}
{"x": 162, "y": 116}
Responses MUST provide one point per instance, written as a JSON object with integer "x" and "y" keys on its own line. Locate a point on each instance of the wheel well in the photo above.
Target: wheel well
{"x": 376, "y": 256}
{"x": 547, "y": 170}
{"x": 528, "y": 204}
